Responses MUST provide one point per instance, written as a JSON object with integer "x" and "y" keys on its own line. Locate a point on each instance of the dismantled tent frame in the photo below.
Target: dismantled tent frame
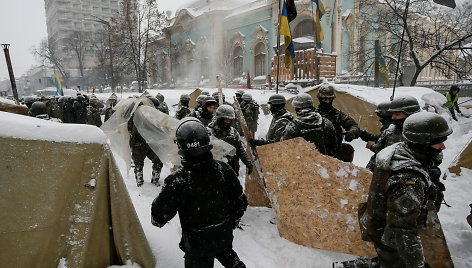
{"x": 66, "y": 199}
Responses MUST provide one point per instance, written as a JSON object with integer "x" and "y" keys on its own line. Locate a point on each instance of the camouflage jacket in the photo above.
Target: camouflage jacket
{"x": 163, "y": 107}
{"x": 93, "y": 116}
{"x": 311, "y": 126}
{"x": 404, "y": 205}
{"x": 182, "y": 111}
{"x": 204, "y": 117}
{"x": 251, "y": 114}
{"x": 54, "y": 109}
{"x": 391, "y": 135}
{"x": 232, "y": 137}
{"x": 109, "y": 111}
{"x": 277, "y": 127}
{"x": 340, "y": 121}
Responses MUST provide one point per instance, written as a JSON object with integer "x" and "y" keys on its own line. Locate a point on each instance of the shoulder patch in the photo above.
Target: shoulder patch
{"x": 410, "y": 181}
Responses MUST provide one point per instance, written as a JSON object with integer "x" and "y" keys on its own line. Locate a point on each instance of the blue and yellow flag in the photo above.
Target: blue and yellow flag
{"x": 285, "y": 31}
{"x": 383, "y": 71}
{"x": 320, "y": 11}
{"x": 59, "y": 87}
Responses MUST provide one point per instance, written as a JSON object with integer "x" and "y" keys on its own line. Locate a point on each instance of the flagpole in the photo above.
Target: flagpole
{"x": 315, "y": 38}
{"x": 278, "y": 49}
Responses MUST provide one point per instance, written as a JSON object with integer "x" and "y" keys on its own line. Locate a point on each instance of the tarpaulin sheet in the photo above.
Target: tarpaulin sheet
{"x": 66, "y": 200}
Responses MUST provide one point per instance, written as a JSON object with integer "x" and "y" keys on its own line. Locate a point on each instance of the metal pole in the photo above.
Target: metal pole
{"x": 278, "y": 49}
{"x": 102, "y": 21}
{"x": 315, "y": 38}
{"x": 401, "y": 47}
{"x": 10, "y": 72}
{"x": 376, "y": 63}
{"x": 111, "y": 59}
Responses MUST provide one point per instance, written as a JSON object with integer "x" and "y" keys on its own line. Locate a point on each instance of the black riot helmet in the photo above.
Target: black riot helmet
{"x": 192, "y": 138}
{"x": 37, "y": 108}
{"x": 426, "y": 128}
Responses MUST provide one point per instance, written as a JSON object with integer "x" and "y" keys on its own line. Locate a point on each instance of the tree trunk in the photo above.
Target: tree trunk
{"x": 415, "y": 76}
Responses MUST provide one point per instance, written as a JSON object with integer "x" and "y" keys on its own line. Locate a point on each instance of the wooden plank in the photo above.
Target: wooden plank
{"x": 315, "y": 197}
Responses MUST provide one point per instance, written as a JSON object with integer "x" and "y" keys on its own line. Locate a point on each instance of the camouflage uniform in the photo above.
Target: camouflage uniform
{"x": 341, "y": 121}
{"x": 109, "y": 111}
{"x": 139, "y": 151}
{"x": 391, "y": 135}
{"x": 313, "y": 128}
{"x": 182, "y": 111}
{"x": 200, "y": 114}
{"x": 93, "y": 115}
{"x": 68, "y": 110}
{"x": 401, "y": 209}
{"x": 54, "y": 110}
{"x": 277, "y": 127}
{"x": 232, "y": 137}
{"x": 250, "y": 111}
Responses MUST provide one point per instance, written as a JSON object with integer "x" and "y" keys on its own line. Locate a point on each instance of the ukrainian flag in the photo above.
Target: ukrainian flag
{"x": 383, "y": 71}
{"x": 284, "y": 29}
{"x": 320, "y": 11}
{"x": 59, "y": 87}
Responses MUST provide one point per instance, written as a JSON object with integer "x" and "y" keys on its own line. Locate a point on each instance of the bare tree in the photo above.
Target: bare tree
{"x": 434, "y": 35}
{"x": 78, "y": 44}
{"x": 134, "y": 27}
{"x": 48, "y": 54}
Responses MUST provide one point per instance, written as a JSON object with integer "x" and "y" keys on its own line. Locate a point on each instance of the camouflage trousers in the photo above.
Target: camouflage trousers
{"x": 138, "y": 153}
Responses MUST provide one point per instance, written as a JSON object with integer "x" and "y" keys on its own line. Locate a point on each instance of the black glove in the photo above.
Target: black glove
{"x": 249, "y": 168}
{"x": 349, "y": 136}
{"x": 459, "y": 111}
{"x": 255, "y": 142}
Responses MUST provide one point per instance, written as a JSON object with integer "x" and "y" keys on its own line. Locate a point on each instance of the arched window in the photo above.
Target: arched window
{"x": 237, "y": 62}
{"x": 304, "y": 28}
{"x": 259, "y": 59}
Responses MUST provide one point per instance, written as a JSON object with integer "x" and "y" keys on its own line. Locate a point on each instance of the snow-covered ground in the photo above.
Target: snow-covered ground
{"x": 259, "y": 244}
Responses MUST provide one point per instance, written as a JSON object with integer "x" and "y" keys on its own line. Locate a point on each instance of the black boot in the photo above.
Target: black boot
{"x": 156, "y": 173}
{"x": 138, "y": 173}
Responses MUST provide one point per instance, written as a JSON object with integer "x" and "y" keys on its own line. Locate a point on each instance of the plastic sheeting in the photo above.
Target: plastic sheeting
{"x": 157, "y": 128}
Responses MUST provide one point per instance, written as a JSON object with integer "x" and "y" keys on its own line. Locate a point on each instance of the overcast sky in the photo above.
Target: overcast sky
{"x": 23, "y": 26}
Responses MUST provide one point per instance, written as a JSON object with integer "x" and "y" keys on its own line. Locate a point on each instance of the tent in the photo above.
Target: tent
{"x": 64, "y": 199}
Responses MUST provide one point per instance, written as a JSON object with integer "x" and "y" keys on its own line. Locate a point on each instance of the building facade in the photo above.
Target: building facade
{"x": 228, "y": 38}
{"x": 77, "y": 19}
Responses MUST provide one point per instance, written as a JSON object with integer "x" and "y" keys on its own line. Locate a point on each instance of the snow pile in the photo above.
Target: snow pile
{"x": 30, "y": 128}
{"x": 7, "y": 101}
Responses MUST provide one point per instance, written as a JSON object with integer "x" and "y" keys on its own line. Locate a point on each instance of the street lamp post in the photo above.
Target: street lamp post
{"x": 102, "y": 21}
{"x": 10, "y": 72}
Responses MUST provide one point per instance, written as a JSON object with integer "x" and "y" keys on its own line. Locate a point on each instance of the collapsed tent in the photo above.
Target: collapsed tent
{"x": 64, "y": 198}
